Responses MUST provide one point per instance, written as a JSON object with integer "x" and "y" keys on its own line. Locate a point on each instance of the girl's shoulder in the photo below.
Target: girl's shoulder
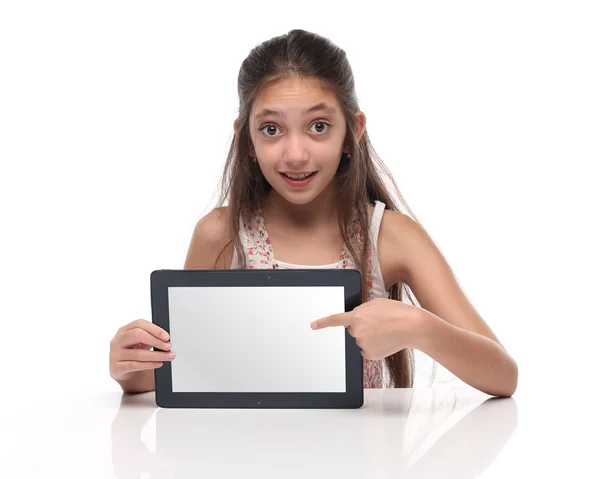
{"x": 211, "y": 244}
{"x": 395, "y": 244}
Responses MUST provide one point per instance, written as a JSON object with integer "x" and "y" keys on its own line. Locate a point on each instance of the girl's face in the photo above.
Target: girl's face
{"x": 297, "y": 129}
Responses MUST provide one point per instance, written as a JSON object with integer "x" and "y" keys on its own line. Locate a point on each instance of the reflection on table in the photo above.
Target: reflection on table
{"x": 406, "y": 433}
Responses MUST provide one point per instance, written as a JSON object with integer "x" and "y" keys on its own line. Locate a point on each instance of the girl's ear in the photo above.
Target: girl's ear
{"x": 236, "y": 127}
{"x": 361, "y": 124}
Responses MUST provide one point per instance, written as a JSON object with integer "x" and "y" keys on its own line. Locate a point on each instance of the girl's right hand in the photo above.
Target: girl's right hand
{"x": 130, "y": 349}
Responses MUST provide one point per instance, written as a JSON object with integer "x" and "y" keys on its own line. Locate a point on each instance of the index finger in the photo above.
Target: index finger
{"x": 340, "y": 319}
{"x": 146, "y": 325}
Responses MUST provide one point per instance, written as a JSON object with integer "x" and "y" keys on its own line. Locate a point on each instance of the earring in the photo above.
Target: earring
{"x": 347, "y": 154}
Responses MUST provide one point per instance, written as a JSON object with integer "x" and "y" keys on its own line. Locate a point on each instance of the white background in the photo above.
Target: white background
{"x": 116, "y": 117}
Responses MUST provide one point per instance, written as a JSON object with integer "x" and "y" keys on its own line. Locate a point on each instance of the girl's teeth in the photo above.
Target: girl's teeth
{"x": 298, "y": 177}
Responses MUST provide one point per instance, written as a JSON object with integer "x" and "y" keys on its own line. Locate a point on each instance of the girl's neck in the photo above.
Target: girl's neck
{"x": 321, "y": 211}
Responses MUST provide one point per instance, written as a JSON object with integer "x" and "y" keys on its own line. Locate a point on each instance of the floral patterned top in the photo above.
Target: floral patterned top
{"x": 259, "y": 255}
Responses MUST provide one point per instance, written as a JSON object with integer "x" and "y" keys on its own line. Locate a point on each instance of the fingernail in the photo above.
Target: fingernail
{"x": 313, "y": 325}
{"x": 171, "y": 355}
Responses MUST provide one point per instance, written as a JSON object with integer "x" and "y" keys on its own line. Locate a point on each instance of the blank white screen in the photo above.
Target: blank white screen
{"x": 256, "y": 339}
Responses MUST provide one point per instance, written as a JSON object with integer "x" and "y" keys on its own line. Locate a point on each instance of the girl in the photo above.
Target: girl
{"x": 305, "y": 189}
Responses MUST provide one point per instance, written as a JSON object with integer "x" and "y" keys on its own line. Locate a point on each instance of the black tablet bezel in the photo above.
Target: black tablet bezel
{"x": 350, "y": 279}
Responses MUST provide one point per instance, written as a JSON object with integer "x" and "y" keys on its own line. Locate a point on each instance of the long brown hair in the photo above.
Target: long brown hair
{"x": 360, "y": 176}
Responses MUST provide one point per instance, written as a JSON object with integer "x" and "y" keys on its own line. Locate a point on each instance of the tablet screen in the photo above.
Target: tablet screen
{"x": 256, "y": 339}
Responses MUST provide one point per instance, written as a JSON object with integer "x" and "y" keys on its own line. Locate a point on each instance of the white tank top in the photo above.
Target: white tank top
{"x": 378, "y": 288}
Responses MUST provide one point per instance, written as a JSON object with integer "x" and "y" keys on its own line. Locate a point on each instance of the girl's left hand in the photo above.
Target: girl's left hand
{"x": 381, "y": 326}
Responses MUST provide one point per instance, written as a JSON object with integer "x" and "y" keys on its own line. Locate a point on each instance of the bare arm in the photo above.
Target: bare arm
{"x": 139, "y": 382}
{"x": 453, "y": 332}
{"x": 476, "y": 359}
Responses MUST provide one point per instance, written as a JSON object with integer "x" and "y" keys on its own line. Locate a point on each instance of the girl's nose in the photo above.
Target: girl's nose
{"x": 296, "y": 154}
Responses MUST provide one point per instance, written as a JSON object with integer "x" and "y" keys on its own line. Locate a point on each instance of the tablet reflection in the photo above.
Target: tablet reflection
{"x": 412, "y": 433}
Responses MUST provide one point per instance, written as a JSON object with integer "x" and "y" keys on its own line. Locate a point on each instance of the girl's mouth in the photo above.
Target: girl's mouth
{"x": 298, "y": 180}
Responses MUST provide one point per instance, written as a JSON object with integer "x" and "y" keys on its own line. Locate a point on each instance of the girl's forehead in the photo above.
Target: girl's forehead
{"x": 295, "y": 95}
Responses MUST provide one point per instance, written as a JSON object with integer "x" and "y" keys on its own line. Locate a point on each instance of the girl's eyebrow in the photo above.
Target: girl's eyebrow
{"x": 318, "y": 107}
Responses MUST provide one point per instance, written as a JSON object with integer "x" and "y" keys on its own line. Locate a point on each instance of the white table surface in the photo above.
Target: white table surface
{"x": 400, "y": 433}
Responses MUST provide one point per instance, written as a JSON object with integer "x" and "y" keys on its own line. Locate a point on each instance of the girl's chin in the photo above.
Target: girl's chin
{"x": 299, "y": 196}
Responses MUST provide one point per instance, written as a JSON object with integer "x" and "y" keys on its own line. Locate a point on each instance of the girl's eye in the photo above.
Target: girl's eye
{"x": 270, "y": 130}
{"x": 323, "y": 125}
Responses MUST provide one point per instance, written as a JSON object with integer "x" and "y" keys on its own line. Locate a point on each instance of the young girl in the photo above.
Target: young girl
{"x": 304, "y": 189}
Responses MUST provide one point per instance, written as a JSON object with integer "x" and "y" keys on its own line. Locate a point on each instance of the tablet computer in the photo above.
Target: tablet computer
{"x": 242, "y": 338}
